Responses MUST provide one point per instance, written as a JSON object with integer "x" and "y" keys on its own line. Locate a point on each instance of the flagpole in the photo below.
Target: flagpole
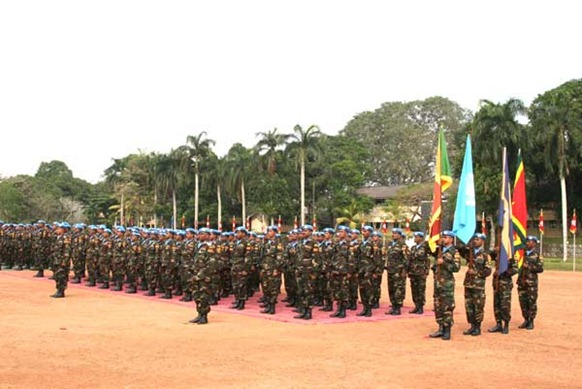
{"x": 574, "y": 253}
{"x": 541, "y": 244}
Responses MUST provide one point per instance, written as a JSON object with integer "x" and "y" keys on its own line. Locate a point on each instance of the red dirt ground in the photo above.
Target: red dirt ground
{"x": 96, "y": 339}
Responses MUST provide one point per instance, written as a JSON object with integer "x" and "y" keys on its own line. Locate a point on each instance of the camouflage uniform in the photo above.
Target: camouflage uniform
{"x": 203, "y": 267}
{"x": 92, "y": 258}
{"x": 418, "y": 268}
{"x": 353, "y": 276}
{"x": 62, "y": 263}
{"x": 396, "y": 265}
{"x": 366, "y": 267}
{"x": 445, "y": 286}
{"x": 79, "y": 254}
{"x": 271, "y": 266}
{"x": 502, "y": 287}
{"x": 105, "y": 260}
{"x": 527, "y": 285}
{"x": 240, "y": 268}
{"x": 479, "y": 268}
{"x": 187, "y": 267}
{"x": 342, "y": 265}
{"x": 289, "y": 261}
{"x": 168, "y": 266}
{"x": 327, "y": 249}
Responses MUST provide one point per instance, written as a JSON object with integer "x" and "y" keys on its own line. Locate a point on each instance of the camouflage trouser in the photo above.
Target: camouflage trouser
{"x": 118, "y": 269}
{"x": 239, "y": 284}
{"x": 418, "y": 288}
{"x": 92, "y": 268}
{"x": 377, "y": 287}
{"x": 290, "y": 283}
{"x": 306, "y": 286}
{"x": 326, "y": 291}
{"x": 225, "y": 280}
{"x": 131, "y": 273}
{"x": 444, "y": 302}
{"x": 396, "y": 288}
{"x": 528, "y": 297}
{"x": 105, "y": 268}
{"x": 474, "y": 305}
{"x": 253, "y": 280}
{"x": 271, "y": 286}
{"x": 339, "y": 286}
{"x": 321, "y": 286}
{"x": 79, "y": 265}
{"x": 167, "y": 273}
{"x": 151, "y": 274}
{"x": 61, "y": 276}
{"x": 201, "y": 293}
{"x": 184, "y": 276}
{"x": 41, "y": 260}
{"x": 502, "y": 300}
{"x": 366, "y": 288}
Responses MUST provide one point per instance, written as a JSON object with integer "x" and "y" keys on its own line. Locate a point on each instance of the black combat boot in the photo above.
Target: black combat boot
{"x": 196, "y": 319}
{"x": 497, "y": 327}
{"x": 187, "y": 297}
{"x": 420, "y": 310}
{"x": 530, "y": 324}
{"x": 396, "y": 310}
{"x": 505, "y": 329}
{"x": 446, "y": 333}
{"x": 438, "y": 333}
{"x": 342, "y": 313}
{"x": 368, "y": 312}
{"x": 90, "y": 282}
{"x": 267, "y": 308}
{"x": 470, "y": 330}
{"x": 353, "y": 306}
{"x": 524, "y": 324}
{"x": 307, "y": 315}
{"x": 477, "y": 330}
{"x": 272, "y": 309}
{"x": 117, "y": 286}
{"x": 151, "y": 292}
{"x": 302, "y": 313}
{"x": 131, "y": 289}
{"x": 391, "y": 311}
{"x": 105, "y": 285}
{"x": 203, "y": 319}
{"x": 328, "y": 307}
{"x": 39, "y": 274}
{"x": 262, "y": 300}
{"x": 60, "y": 293}
{"x": 178, "y": 291}
{"x": 290, "y": 302}
{"x": 76, "y": 280}
{"x": 338, "y": 310}
{"x": 167, "y": 295}
{"x": 376, "y": 304}
{"x": 415, "y": 310}
{"x": 363, "y": 311}
{"x": 241, "y": 305}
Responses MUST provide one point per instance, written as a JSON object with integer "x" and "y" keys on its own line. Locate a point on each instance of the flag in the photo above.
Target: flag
{"x": 504, "y": 220}
{"x": 384, "y": 226}
{"x": 207, "y": 221}
{"x": 541, "y": 222}
{"x": 233, "y": 223}
{"x": 314, "y": 223}
{"x": 407, "y": 228}
{"x": 465, "y": 221}
{"x": 295, "y": 224}
{"x": 519, "y": 211}
{"x": 248, "y": 223}
{"x": 483, "y": 224}
{"x": 442, "y": 181}
{"x": 183, "y": 221}
{"x": 279, "y": 223}
{"x": 573, "y": 225}
{"x": 220, "y": 225}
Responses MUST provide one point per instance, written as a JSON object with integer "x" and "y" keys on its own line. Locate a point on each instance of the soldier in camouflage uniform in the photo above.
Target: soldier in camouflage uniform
{"x": 527, "y": 282}
{"x": 223, "y": 251}
{"x": 342, "y": 266}
{"x": 353, "y": 278}
{"x": 418, "y": 269}
{"x": 366, "y": 267}
{"x": 240, "y": 268}
{"x": 133, "y": 259}
{"x": 168, "y": 264}
{"x": 79, "y": 237}
{"x": 479, "y": 268}
{"x": 43, "y": 238}
{"x": 105, "y": 257}
{"x": 152, "y": 261}
{"x": 447, "y": 263}
{"x": 271, "y": 266}
{"x": 187, "y": 263}
{"x": 398, "y": 254}
{"x": 289, "y": 260}
{"x": 380, "y": 261}
{"x": 120, "y": 247}
{"x": 502, "y": 287}
{"x": 308, "y": 266}
{"x": 326, "y": 252}
{"x": 203, "y": 268}
{"x": 92, "y": 258}
{"x": 62, "y": 259}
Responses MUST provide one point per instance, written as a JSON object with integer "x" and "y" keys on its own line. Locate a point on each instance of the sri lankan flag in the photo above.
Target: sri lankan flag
{"x": 519, "y": 211}
{"x": 442, "y": 181}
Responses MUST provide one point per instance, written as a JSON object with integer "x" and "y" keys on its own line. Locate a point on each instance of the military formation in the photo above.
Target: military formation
{"x": 333, "y": 267}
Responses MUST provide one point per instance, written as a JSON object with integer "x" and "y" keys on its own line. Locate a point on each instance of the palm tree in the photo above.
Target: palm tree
{"x": 116, "y": 175}
{"x": 267, "y": 147}
{"x": 556, "y": 121}
{"x": 304, "y": 143}
{"x": 217, "y": 175}
{"x": 169, "y": 169}
{"x": 199, "y": 147}
{"x": 240, "y": 163}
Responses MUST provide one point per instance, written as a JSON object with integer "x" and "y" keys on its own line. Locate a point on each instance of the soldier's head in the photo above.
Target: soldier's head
{"x": 397, "y": 234}
{"x": 271, "y": 232}
{"x": 354, "y": 234}
{"x": 531, "y": 242}
{"x": 203, "y": 234}
{"x": 328, "y": 233}
{"x": 448, "y": 237}
{"x": 342, "y": 232}
{"x": 479, "y": 239}
{"x": 241, "y": 232}
{"x": 418, "y": 237}
{"x": 376, "y": 235}
{"x": 367, "y": 231}
{"x": 190, "y": 233}
{"x": 306, "y": 230}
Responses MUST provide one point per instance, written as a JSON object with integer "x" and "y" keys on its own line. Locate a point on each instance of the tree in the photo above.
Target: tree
{"x": 198, "y": 147}
{"x": 240, "y": 163}
{"x": 556, "y": 120}
{"x": 268, "y": 145}
{"x": 303, "y": 143}
{"x": 217, "y": 175}
{"x": 169, "y": 169}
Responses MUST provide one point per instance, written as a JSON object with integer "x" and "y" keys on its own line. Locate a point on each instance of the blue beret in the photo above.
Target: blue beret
{"x": 377, "y": 233}
{"x": 480, "y": 236}
{"x": 531, "y": 237}
{"x": 329, "y": 230}
{"x": 307, "y": 227}
{"x": 449, "y": 233}
{"x": 368, "y": 228}
{"x": 273, "y": 228}
{"x": 241, "y": 229}
{"x": 354, "y": 231}
{"x": 419, "y": 233}
{"x": 342, "y": 228}
{"x": 398, "y": 231}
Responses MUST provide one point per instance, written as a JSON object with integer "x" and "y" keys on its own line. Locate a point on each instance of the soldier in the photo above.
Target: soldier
{"x": 527, "y": 285}
{"x": 353, "y": 278}
{"x": 92, "y": 258}
{"x": 418, "y": 268}
{"x": 365, "y": 267}
{"x": 327, "y": 248}
{"x": 105, "y": 257}
{"x": 133, "y": 259}
{"x": 342, "y": 267}
{"x": 479, "y": 268}
{"x": 447, "y": 263}
{"x": 398, "y": 253}
{"x": 289, "y": 260}
{"x": 62, "y": 259}
{"x": 223, "y": 251}
{"x": 168, "y": 264}
{"x": 42, "y": 237}
{"x": 380, "y": 260}
{"x": 240, "y": 267}
{"x": 203, "y": 268}
{"x": 120, "y": 248}
{"x": 502, "y": 286}
{"x": 79, "y": 243}
{"x": 152, "y": 261}
{"x": 187, "y": 263}
{"x": 307, "y": 267}
{"x": 271, "y": 266}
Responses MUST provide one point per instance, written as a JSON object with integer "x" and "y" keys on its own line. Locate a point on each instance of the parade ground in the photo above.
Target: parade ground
{"x": 106, "y": 339}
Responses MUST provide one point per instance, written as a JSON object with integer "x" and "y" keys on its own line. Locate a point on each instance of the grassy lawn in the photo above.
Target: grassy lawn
{"x": 558, "y": 264}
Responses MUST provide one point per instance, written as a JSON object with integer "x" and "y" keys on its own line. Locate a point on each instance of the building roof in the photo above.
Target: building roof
{"x": 380, "y": 192}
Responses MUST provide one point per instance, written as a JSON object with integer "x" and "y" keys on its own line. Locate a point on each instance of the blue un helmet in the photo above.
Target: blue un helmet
{"x": 531, "y": 238}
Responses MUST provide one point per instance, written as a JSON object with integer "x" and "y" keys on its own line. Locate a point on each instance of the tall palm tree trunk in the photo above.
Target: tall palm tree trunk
{"x": 219, "y": 202}
{"x": 564, "y": 218}
{"x": 243, "y": 198}
{"x": 122, "y": 210}
{"x": 174, "y": 209}
{"x": 196, "y": 199}
{"x": 302, "y": 190}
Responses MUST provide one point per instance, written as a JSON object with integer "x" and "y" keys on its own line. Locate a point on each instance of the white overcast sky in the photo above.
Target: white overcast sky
{"x": 87, "y": 81}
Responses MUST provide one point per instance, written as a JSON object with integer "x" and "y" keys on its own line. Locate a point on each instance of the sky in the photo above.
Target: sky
{"x": 87, "y": 81}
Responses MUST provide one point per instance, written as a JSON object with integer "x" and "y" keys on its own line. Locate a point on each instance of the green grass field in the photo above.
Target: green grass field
{"x": 558, "y": 264}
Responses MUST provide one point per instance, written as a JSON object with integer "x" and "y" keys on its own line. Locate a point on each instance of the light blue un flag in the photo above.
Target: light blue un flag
{"x": 465, "y": 218}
